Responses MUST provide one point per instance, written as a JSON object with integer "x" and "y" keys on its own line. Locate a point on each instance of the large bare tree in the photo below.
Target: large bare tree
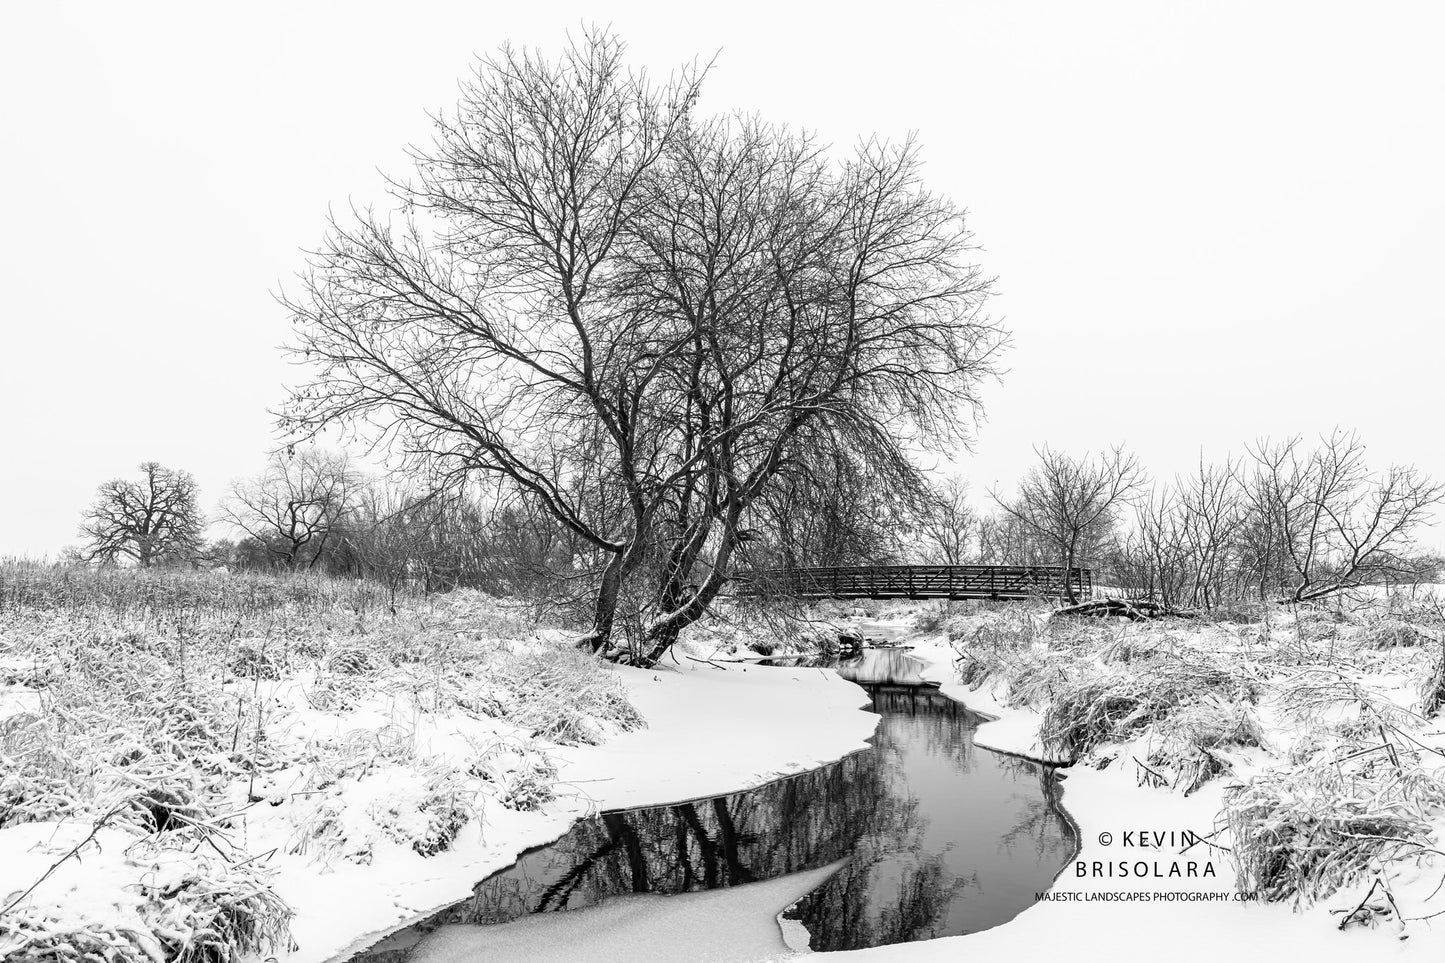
{"x": 640, "y": 319}
{"x": 154, "y": 519}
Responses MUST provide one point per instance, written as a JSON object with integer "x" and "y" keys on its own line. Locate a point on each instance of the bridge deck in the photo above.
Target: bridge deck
{"x": 917, "y": 582}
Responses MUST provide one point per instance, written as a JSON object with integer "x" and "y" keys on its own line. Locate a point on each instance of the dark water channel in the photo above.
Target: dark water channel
{"x": 941, "y": 837}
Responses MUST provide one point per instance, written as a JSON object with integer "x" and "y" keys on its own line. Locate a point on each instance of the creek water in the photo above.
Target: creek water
{"x": 922, "y": 836}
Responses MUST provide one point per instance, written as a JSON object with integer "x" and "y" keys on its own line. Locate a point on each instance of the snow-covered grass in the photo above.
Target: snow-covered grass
{"x": 175, "y": 732}
{"x": 1314, "y": 734}
{"x": 1302, "y": 832}
{"x": 206, "y": 767}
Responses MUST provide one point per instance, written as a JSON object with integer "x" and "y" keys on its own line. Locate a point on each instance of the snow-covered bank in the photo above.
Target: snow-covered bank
{"x": 195, "y": 766}
{"x": 733, "y": 925}
{"x": 1109, "y": 916}
{"x": 708, "y": 733}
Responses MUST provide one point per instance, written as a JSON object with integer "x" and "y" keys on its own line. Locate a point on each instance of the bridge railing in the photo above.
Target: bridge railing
{"x": 918, "y": 582}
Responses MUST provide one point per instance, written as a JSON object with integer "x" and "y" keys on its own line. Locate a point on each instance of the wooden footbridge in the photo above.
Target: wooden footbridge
{"x": 917, "y": 582}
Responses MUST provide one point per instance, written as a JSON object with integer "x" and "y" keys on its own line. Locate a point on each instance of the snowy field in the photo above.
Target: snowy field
{"x": 294, "y": 775}
{"x": 292, "y": 772}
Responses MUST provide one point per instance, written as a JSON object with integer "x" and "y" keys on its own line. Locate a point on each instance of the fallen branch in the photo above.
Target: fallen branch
{"x": 1135, "y": 610}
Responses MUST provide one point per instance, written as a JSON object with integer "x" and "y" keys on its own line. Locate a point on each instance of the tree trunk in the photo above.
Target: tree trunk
{"x": 604, "y": 610}
{"x": 1069, "y": 592}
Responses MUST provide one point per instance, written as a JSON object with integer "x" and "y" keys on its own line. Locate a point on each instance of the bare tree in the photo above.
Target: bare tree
{"x": 1325, "y": 522}
{"x": 1070, "y": 503}
{"x": 640, "y": 320}
{"x": 1211, "y": 514}
{"x": 155, "y": 519}
{"x": 294, "y": 506}
{"x": 830, "y": 507}
{"x": 1183, "y": 548}
{"x": 481, "y": 334}
{"x": 949, "y": 523}
{"x": 1003, "y": 540}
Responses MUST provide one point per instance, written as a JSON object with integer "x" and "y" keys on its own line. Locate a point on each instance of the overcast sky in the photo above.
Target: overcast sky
{"x": 1209, "y": 221}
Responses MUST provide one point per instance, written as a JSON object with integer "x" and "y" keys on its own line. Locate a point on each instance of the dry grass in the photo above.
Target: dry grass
{"x": 1116, "y": 705}
{"x": 1432, "y": 688}
{"x": 1303, "y": 832}
{"x": 1192, "y": 744}
{"x": 1356, "y": 791}
{"x": 185, "y": 906}
{"x": 525, "y": 779}
{"x": 149, "y": 697}
{"x": 1392, "y": 633}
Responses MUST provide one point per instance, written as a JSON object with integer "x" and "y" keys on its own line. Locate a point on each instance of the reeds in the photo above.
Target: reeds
{"x": 153, "y": 704}
{"x": 1301, "y": 833}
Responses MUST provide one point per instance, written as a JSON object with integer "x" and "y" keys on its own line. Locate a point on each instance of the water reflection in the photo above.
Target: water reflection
{"x": 940, "y": 838}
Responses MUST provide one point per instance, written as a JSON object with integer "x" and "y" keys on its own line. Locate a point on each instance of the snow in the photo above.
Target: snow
{"x": 370, "y": 773}
{"x": 1154, "y": 923}
{"x": 711, "y": 731}
{"x": 717, "y": 731}
{"x": 708, "y": 733}
{"x": 733, "y": 925}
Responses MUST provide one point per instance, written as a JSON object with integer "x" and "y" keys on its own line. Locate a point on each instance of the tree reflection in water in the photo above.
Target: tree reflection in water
{"x": 941, "y": 839}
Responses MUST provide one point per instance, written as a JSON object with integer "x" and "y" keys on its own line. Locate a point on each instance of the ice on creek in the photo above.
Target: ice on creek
{"x": 730, "y": 925}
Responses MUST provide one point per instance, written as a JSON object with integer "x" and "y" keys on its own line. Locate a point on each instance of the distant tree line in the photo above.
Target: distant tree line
{"x": 1286, "y": 521}
{"x": 311, "y": 510}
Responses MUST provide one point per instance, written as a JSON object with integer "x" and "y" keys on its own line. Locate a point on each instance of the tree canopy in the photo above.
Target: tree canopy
{"x": 643, "y": 320}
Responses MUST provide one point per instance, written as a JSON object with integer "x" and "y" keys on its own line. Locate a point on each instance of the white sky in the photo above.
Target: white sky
{"x": 1210, "y": 221}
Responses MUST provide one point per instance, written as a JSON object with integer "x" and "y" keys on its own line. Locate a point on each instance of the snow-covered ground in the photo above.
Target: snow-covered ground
{"x": 1108, "y": 916}
{"x": 707, "y": 733}
{"x": 1115, "y": 919}
{"x": 357, "y": 778}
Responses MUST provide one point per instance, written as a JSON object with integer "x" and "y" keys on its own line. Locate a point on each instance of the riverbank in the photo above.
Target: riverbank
{"x": 707, "y": 733}
{"x": 290, "y": 768}
{"x": 1185, "y": 905}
